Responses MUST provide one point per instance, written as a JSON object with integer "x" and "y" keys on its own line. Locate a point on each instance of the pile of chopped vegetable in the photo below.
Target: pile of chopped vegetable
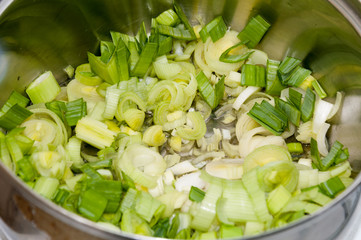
{"x": 131, "y": 141}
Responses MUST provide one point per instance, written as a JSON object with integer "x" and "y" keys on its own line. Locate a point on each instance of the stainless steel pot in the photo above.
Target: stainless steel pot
{"x": 41, "y": 35}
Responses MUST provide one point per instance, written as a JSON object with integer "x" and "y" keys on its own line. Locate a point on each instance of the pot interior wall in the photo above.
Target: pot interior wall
{"x": 41, "y": 35}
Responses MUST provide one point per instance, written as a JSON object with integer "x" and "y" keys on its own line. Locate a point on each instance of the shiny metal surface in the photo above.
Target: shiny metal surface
{"x": 41, "y": 35}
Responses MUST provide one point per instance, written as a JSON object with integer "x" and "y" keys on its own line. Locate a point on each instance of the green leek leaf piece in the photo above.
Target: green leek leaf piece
{"x": 298, "y": 75}
{"x": 254, "y": 31}
{"x": 331, "y": 157}
{"x": 122, "y": 56}
{"x": 84, "y": 75}
{"x": 61, "y": 196}
{"x": 92, "y": 204}
{"x": 210, "y": 95}
{"x": 319, "y": 90}
{"x": 176, "y": 33}
{"x": 142, "y": 36}
{"x": 273, "y": 83}
{"x": 106, "y": 50}
{"x": 14, "y": 116}
{"x": 107, "y": 71}
{"x": 315, "y": 155}
{"x": 269, "y": 117}
{"x": 25, "y": 170}
{"x": 214, "y": 29}
{"x": 75, "y": 110}
{"x": 230, "y": 58}
{"x": 196, "y": 195}
{"x": 15, "y": 98}
{"x": 288, "y": 64}
{"x": 145, "y": 60}
{"x": 183, "y": 18}
{"x": 295, "y": 98}
{"x": 253, "y": 75}
{"x": 165, "y": 45}
{"x": 168, "y": 18}
{"x": 332, "y": 187}
{"x": 308, "y": 105}
{"x": 293, "y": 114}
{"x": 294, "y": 147}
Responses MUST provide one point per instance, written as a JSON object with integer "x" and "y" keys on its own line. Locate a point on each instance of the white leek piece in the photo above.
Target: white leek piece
{"x": 94, "y": 133}
{"x": 43, "y": 89}
{"x": 245, "y": 94}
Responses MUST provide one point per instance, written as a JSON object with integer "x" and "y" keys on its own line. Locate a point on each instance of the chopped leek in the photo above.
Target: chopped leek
{"x": 308, "y": 105}
{"x": 253, "y": 75}
{"x": 273, "y": 83}
{"x": 233, "y": 58}
{"x": 332, "y": 186}
{"x": 196, "y": 195}
{"x": 269, "y": 117}
{"x": 254, "y": 31}
{"x": 214, "y": 29}
{"x": 43, "y": 89}
{"x": 92, "y": 204}
{"x": 319, "y": 90}
{"x": 145, "y": 59}
{"x": 168, "y": 17}
{"x": 211, "y": 95}
{"x": 293, "y": 114}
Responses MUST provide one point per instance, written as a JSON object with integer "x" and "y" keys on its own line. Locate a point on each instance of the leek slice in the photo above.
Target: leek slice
{"x": 168, "y": 17}
{"x": 47, "y": 187}
{"x": 266, "y": 154}
{"x": 275, "y": 173}
{"x": 145, "y": 59}
{"x": 49, "y": 164}
{"x": 43, "y": 89}
{"x": 141, "y": 164}
{"x": 154, "y": 136}
{"x": 125, "y": 103}
{"x": 167, "y": 90}
{"x": 85, "y": 76}
{"x": 197, "y": 129}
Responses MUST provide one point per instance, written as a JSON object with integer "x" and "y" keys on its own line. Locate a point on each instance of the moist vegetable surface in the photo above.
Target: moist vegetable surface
{"x": 186, "y": 132}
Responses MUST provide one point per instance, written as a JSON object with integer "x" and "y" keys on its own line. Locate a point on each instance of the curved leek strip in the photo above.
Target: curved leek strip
{"x": 84, "y": 75}
{"x": 154, "y": 136}
{"x": 43, "y": 89}
{"x": 77, "y": 90}
{"x": 123, "y": 105}
{"x": 199, "y": 57}
{"x": 231, "y": 150}
{"x": 244, "y": 124}
{"x": 175, "y": 119}
{"x": 226, "y": 168}
{"x": 112, "y": 97}
{"x": 190, "y": 92}
{"x": 166, "y": 70}
{"x": 245, "y": 94}
{"x": 160, "y": 113}
{"x": 264, "y": 155}
{"x": 289, "y": 132}
{"x": 276, "y": 173}
{"x": 244, "y": 142}
{"x": 167, "y": 90}
{"x": 42, "y": 131}
{"x": 320, "y": 114}
{"x": 321, "y": 139}
{"x": 134, "y": 118}
{"x": 258, "y": 57}
{"x": 336, "y": 105}
{"x": 62, "y": 133}
{"x": 49, "y": 164}
{"x": 203, "y": 107}
{"x": 141, "y": 164}
{"x": 259, "y": 141}
{"x": 196, "y": 130}
{"x": 208, "y": 156}
{"x": 213, "y": 51}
